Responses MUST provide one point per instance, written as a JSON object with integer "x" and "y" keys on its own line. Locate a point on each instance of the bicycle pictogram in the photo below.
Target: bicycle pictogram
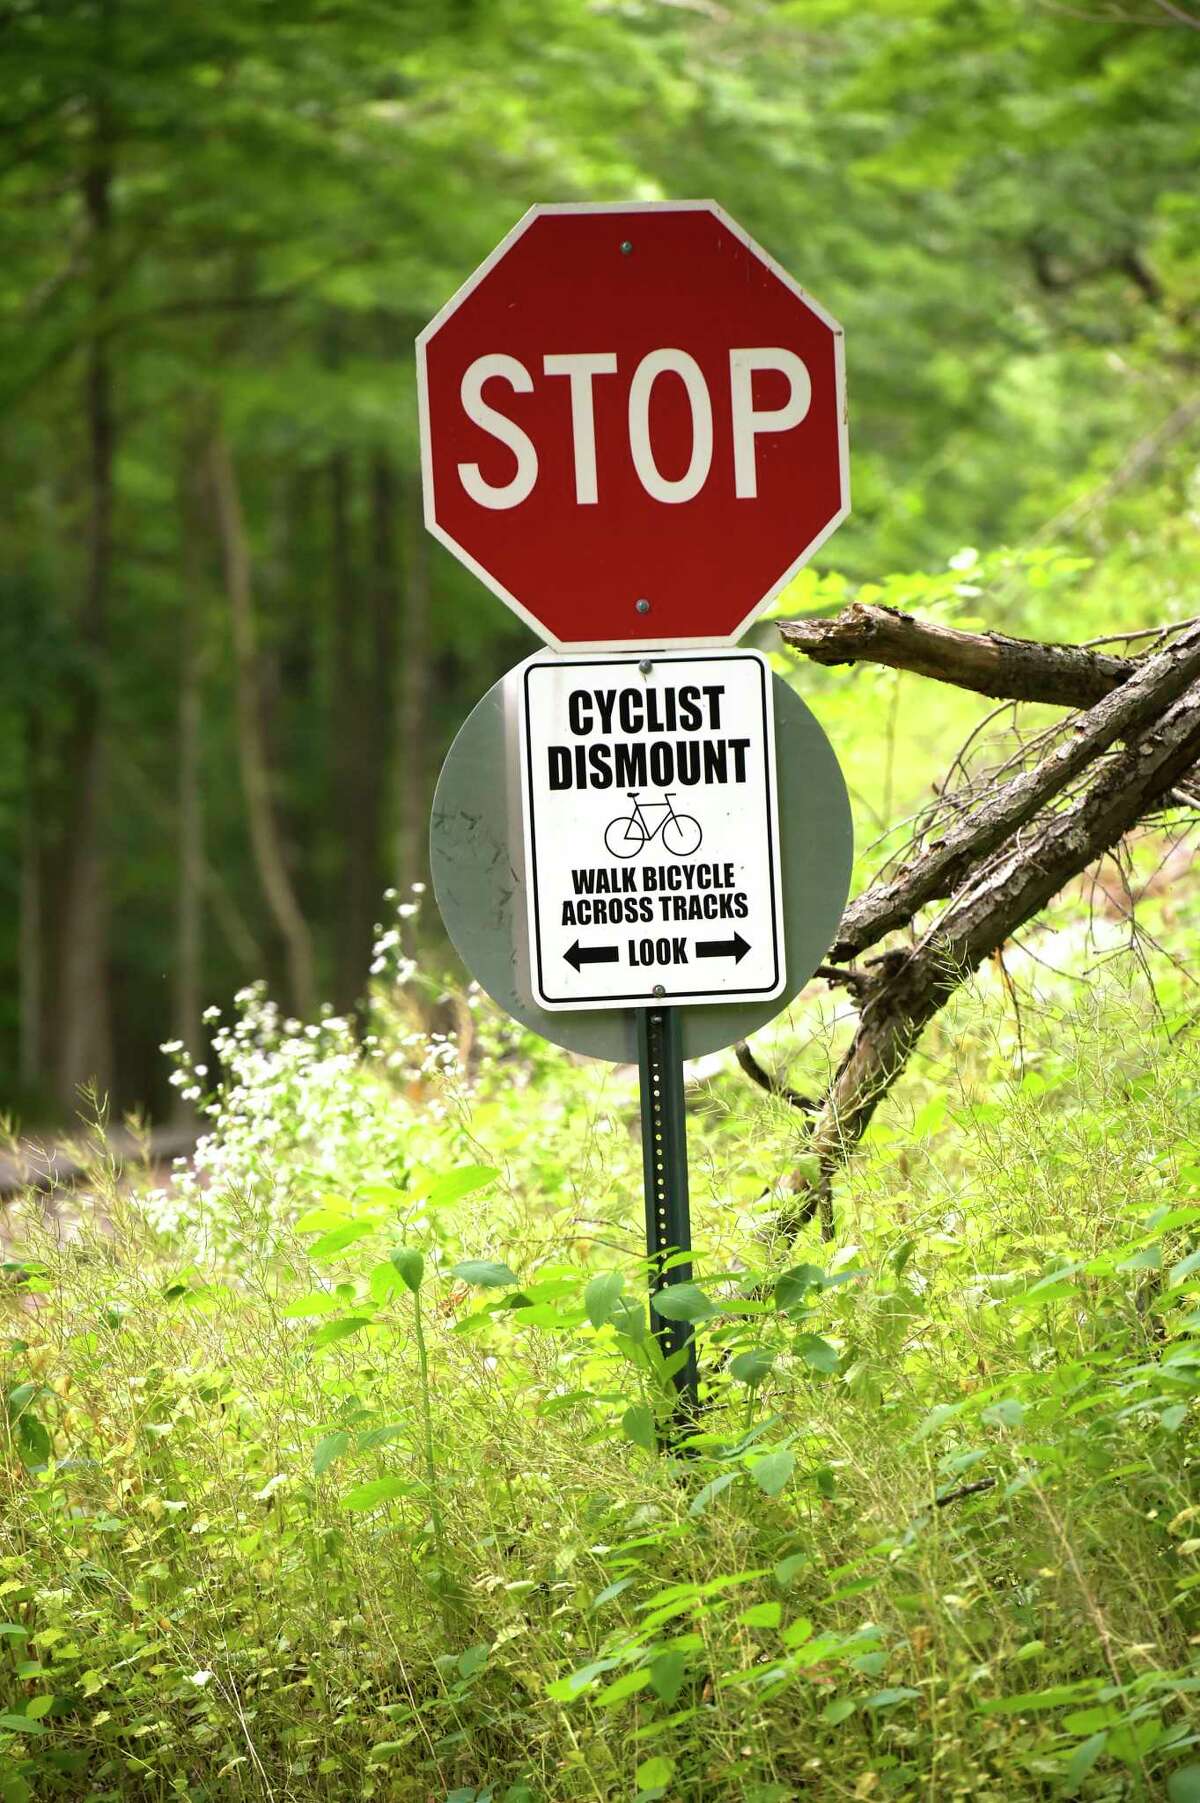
{"x": 625, "y": 836}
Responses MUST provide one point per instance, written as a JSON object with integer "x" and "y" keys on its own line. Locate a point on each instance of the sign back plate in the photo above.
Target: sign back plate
{"x": 477, "y": 859}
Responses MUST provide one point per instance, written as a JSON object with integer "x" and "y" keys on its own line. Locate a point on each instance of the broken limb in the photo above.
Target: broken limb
{"x": 946, "y": 863}
{"x": 1001, "y": 896}
{"x": 989, "y": 663}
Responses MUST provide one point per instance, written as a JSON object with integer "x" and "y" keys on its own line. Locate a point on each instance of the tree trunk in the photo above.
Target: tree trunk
{"x": 190, "y": 873}
{"x": 385, "y": 626}
{"x": 412, "y": 723}
{"x": 265, "y": 840}
{"x": 355, "y": 786}
{"x": 84, "y": 1019}
{"x": 30, "y": 953}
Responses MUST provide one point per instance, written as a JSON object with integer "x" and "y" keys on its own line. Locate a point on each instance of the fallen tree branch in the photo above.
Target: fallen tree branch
{"x": 946, "y": 863}
{"x": 772, "y": 1085}
{"x": 999, "y": 898}
{"x": 989, "y": 663}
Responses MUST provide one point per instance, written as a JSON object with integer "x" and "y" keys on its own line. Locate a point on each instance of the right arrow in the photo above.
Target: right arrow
{"x": 596, "y": 954}
{"x": 735, "y": 948}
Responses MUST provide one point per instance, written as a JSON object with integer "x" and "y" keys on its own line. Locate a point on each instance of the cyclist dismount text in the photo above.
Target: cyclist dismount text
{"x": 607, "y": 762}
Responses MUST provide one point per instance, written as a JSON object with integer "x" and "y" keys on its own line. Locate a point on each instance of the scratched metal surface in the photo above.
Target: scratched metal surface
{"x": 478, "y": 866}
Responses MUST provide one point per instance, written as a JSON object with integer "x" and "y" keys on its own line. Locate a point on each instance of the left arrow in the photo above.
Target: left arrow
{"x": 596, "y": 954}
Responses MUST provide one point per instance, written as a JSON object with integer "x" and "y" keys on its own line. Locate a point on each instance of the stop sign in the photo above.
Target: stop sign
{"x": 632, "y": 425}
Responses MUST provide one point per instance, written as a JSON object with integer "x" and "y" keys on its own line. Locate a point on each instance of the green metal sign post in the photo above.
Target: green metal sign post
{"x": 668, "y": 1217}
{"x": 480, "y": 861}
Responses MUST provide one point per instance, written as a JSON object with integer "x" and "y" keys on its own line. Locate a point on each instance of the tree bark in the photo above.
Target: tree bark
{"x": 190, "y": 869}
{"x": 989, "y": 663}
{"x": 353, "y": 751}
{"x": 265, "y": 839}
{"x": 945, "y": 863}
{"x": 30, "y": 952}
{"x": 906, "y": 989}
{"x": 385, "y": 591}
{"x": 84, "y": 1007}
{"x": 412, "y": 688}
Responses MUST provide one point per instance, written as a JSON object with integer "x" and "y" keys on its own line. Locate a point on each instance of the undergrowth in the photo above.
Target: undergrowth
{"x": 333, "y": 1473}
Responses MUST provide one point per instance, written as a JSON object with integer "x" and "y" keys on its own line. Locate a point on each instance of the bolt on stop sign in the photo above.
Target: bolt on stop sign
{"x": 632, "y": 425}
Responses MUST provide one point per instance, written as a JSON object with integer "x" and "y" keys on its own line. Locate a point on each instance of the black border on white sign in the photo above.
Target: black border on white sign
{"x": 635, "y": 658}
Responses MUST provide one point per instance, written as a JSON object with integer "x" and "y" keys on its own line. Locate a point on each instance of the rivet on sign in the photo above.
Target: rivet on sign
{"x": 659, "y": 990}
{"x": 626, "y": 248}
{"x": 642, "y": 607}
{"x": 645, "y": 666}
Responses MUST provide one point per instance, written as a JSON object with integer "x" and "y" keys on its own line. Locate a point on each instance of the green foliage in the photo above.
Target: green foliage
{"x": 292, "y": 190}
{"x": 938, "y": 1511}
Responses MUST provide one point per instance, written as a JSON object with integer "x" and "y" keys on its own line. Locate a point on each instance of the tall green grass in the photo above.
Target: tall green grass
{"x": 936, "y": 1536}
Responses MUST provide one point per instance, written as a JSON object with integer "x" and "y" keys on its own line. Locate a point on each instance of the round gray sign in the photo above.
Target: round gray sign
{"x": 477, "y": 858}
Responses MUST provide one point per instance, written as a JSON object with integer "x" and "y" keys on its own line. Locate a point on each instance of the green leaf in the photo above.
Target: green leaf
{"x": 1083, "y": 1758}
{"x": 485, "y": 1273}
{"x": 840, "y": 1710}
{"x": 654, "y": 1773}
{"x": 817, "y": 1352}
{"x": 456, "y": 1184}
{"x": 1130, "y": 1741}
{"x": 1185, "y": 1267}
{"x": 600, "y": 1294}
{"x": 772, "y": 1472}
{"x": 34, "y": 1438}
{"x": 339, "y": 1330}
{"x": 409, "y": 1266}
{"x": 887, "y": 1699}
{"x": 623, "y": 1687}
{"x": 473, "y": 1660}
{"x": 628, "y": 1317}
{"x": 377, "y": 1490}
{"x": 789, "y": 1568}
{"x": 565, "y": 1690}
{"x": 667, "y": 1673}
{"x": 37, "y": 1707}
{"x": 1008, "y": 1412}
{"x": 751, "y": 1367}
{"x": 319, "y": 1220}
{"x": 611, "y": 1592}
{"x": 682, "y": 1302}
{"x": 793, "y": 1286}
{"x": 710, "y": 1491}
{"x": 21, "y": 1724}
{"x": 317, "y": 1302}
{"x": 761, "y": 1615}
{"x": 339, "y": 1239}
{"x": 1183, "y": 1786}
{"x": 1055, "y": 1696}
{"x": 384, "y": 1283}
{"x": 327, "y": 1451}
{"x": 637, "y": 1424}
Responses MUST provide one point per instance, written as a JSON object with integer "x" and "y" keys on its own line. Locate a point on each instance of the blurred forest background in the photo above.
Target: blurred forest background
{"x": 230, "y": 659}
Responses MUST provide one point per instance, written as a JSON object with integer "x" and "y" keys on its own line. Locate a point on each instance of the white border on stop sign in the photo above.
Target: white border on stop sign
{"x": 554, "y": 208}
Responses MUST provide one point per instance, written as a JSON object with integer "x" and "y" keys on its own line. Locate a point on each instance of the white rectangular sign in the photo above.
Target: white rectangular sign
{"x": 651, "y": 830}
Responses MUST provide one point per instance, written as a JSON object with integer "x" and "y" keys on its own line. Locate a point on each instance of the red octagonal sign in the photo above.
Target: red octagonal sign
{"x": 632, "y": 425}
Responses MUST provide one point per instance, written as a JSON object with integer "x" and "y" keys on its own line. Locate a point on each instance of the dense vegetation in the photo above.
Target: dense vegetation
{"x": 329, "y": 1467}
{"x": 231, "y": 660}
{"x": 339, "y": 1480}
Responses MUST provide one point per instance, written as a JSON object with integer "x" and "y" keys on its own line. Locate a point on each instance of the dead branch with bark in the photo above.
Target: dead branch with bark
{"x": 989, "y": 855}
